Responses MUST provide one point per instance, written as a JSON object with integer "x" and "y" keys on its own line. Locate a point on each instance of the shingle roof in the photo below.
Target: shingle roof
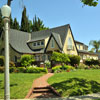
{"x": 18, "y": 39}
{"x": 58, "y": 39}
{"x": 61, "y": 30}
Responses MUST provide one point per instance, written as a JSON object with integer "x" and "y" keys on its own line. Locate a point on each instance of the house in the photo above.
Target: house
{"x": 84, "y": 53}
{"x": 41, "y": 44}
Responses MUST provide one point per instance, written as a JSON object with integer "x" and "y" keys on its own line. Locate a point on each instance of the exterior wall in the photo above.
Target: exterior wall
{"x": 55, "y": 46}
{"x": 86, "y": 56}
{"x": 73, "y": 51}
{"x": 13, "y": 53}
{"x": 46, "y": 41}
{"x": 79, "y": 46}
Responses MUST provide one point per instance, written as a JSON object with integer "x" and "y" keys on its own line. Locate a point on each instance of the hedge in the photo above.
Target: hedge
{"x": 36, "y": 70}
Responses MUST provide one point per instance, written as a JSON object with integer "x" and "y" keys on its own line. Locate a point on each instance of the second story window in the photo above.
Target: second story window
{"x": 69, "y": 43}
{"x": 34, "y": 44}
{"x": 38, "y": 43}
{"x": 52, "y": 43}
{"x": 42, "y": 42}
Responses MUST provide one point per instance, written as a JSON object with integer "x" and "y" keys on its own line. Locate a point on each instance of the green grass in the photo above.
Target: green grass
{"x": 76, "y": 83}
{"x": 20, "y": 83}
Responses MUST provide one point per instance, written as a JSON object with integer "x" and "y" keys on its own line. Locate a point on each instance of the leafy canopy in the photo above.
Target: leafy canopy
{"x": 90, "y": 2}
{"x": 60, "y": 57}
{"x": 26, "y": 60}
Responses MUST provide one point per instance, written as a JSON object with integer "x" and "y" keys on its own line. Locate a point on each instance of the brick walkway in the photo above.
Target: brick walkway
{"x": 41, "y": 88}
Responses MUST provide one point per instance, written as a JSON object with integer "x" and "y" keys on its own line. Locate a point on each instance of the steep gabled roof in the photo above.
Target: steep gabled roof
{"x": 57, "y": 40}
{"x": 61, "y": 30}
{"x": 18, "y": 39}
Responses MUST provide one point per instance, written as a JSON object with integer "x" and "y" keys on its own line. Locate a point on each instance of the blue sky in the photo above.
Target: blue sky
{"x": 84, "y": 21}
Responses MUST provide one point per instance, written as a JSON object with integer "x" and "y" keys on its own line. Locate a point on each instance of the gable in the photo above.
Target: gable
{"x": 52, "y": 45}
{"x": 70, "y": 48}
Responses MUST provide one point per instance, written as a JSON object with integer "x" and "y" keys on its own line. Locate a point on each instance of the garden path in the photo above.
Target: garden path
{"x": 41, "y": 89}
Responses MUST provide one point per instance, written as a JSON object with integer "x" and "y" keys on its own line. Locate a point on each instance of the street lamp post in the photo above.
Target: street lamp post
{"x": 6, "y": 11}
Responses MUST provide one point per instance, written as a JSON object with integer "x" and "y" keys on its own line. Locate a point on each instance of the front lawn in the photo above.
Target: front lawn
{"x": 79, "y": 82}
{"x": 20, "y": 83}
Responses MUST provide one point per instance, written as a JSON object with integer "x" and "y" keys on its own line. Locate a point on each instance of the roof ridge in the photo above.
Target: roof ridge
{"x": 52, "y": 28}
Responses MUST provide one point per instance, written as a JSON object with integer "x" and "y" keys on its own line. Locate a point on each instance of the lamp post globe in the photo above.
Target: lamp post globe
{"x": 6, "y": 11}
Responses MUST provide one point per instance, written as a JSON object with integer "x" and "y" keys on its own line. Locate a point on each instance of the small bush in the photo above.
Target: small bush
{"x": 21, "y": 69}
{"x": 1, "y": 69}
{"x": 92, "y": 62}
{"x": 74, "y": 60}
{"x": 83, "y": 66}
{"x": 95, "y": 66}
{"x": 68, "y": 67}
{"x": 36, "y": 70}
{"x": 1, "y": 60}
{"x": 11, "y": 64}
{"x": 56, "y": 69}
{"x": 12, "y": 69}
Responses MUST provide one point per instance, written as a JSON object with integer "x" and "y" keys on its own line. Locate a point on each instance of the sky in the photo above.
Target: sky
{"x": 84, "y": 21}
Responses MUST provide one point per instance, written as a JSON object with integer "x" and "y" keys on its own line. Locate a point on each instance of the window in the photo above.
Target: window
{"x": 52, "y": 43}
{"x": 34, "y": 44}
{"x": 38, "y": 43}
{"x": 70, "y": 43}
{"x": 15, "y": 58}
{"x": 79, "y": 46}
{"x": 42, "y": 42}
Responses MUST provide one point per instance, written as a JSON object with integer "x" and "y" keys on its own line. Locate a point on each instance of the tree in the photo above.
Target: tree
{"x": 9, "y": 2}
{"x": 15, "y": 24}
{"x": 1, "y": 22}
{"x": 60, "y": 57}
{"x": 95, "y": 44}
{"x": 11, "y": 22}
{"x": 90, "y": 2}
{"x": 26, "y": 60}
{"x": 24, "y": 21}
{"x": 38, "y": 24}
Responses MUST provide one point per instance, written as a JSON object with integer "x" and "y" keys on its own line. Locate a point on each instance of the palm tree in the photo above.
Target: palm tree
{"x": 9, "y": 2}
{"x": 95, "y": 44}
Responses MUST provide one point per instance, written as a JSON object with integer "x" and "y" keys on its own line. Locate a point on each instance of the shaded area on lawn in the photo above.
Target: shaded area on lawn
{"x": 76, "y": 87}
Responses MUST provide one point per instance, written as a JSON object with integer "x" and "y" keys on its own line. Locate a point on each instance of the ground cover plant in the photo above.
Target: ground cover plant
{"x": 79, "y": 82}
{"x": 20, "y": 83}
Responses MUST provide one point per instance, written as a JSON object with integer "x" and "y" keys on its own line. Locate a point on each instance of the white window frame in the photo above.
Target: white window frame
{"x": 33, "y": 44}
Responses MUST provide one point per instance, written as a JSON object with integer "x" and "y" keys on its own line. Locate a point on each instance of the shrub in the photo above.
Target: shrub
{"x": 47, "y": 64}
{"x": 21, "y": 69}
{"x": 95, "y": 66}
{"x": 60, "y": 57}
{"x": 11, "y": 64}
{"x": 83, "y": 66}
{"x": 92, "y": 62}
{"x": 56, "y": 69}
{"x": 68, "y": 67}
{"x": 1, "y": 60}
{"x": 1, "y": 69}
{"x": 12, "y": 69}
{"x": 74, "y": 59}
{"x": 26, "y": 60}
{"x": 36, "y": 70}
